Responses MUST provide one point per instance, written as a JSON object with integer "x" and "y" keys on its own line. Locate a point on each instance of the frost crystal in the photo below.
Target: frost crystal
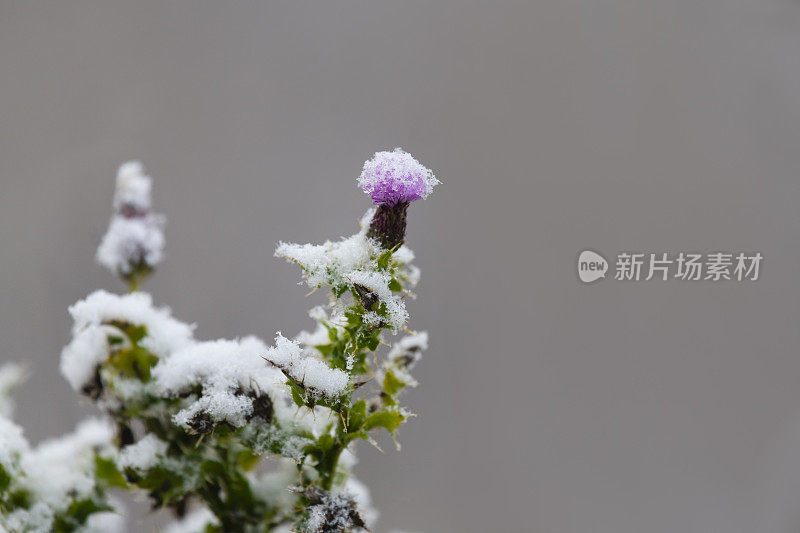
{"x": 396, "y": 177}
{"x": 311, "y": 373}
{"x": 135, "y": 237}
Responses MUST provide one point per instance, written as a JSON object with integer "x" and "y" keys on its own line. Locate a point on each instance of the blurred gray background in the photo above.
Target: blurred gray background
{"x": 545, "y": 405}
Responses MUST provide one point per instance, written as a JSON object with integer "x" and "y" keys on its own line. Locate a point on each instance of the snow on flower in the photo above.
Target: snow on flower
{"x": 396, "y": 177}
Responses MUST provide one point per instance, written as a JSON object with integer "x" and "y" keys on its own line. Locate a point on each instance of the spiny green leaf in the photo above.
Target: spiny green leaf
{"x": 392, "y": 385}
{"x": 390, "y": 420}
{"x": 383, "y": 260}
{"x": 357, "y": 416}
{"x": 297, "y": 394}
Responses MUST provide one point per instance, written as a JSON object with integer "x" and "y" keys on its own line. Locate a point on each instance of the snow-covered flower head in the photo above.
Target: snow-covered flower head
{"x": 396, "y": 177}
{"x": 134, "y": 242}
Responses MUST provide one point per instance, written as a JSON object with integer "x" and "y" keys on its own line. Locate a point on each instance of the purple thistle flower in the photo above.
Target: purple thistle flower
{"x": 396, "y": 177}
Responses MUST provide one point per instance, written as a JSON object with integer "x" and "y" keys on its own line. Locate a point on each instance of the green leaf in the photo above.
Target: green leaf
{"x": 20, "y": 498}
{"x": 390, "y": 420}
{"x": 324, "y": 349}
{"x": 238, "y": 489}
{"x": 383, "y": 260}
{"x": 332, "y": 333}
{"x": 77, "y": 513}
{"x": 246, "y": 460}
{"x": 392, "y": 385}
{"x": 5, "y": 479}
{"x": 395, "y": 285}
{"x": 297, "y": 394}
{"x": 357, "y": 416}
{"x": 135, "y": 333}
{"x": 212, "y": 468}
{"x": 168, "y": 483}
{"x": 373, "y": 341}
{"x": 106, "y": 471}
{"x": 134, "y": 362}
{"x": 325, "y": 442}
{"x": 81, "y": 509}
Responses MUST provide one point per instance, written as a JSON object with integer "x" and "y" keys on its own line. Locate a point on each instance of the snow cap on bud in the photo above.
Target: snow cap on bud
{"x": 132, "y": 195}
{"x": 396, "y": 177}
{"x": 134, "y": 242}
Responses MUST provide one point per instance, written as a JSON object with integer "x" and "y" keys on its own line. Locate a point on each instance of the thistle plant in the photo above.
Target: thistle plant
{"x": 228, "y": 435}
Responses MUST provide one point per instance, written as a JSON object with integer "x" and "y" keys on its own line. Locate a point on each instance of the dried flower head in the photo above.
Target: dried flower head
{"x": 396, "y": 177}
